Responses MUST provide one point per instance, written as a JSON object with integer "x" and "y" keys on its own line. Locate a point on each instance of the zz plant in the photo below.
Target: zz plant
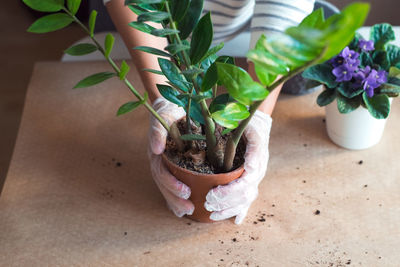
{"x": 194, "y": 70}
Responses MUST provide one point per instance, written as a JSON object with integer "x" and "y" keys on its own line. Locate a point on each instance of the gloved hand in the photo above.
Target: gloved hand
{"x": 235, "y": 198}
{"x": 175, "y": 192}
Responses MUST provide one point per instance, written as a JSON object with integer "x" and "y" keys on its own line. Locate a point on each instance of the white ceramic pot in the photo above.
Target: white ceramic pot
{"x": 355, "y": 130}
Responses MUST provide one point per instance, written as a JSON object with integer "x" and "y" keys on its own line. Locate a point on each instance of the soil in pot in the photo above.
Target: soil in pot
{"x": 193, "y": 169}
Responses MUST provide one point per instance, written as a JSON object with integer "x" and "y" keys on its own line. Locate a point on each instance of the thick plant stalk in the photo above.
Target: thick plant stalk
{"x": 233, "y": 141}
{"x": 173, "y": 130}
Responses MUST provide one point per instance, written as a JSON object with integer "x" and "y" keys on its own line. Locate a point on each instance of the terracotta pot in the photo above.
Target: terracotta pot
{"x": 200, "y": 184}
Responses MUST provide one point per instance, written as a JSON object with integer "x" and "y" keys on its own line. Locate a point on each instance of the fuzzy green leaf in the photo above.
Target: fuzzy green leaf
{"x": 239, "y": 84}
{"x": 381, "y": 59}
{"x": 393, "y": 53}
{"x": 73, "y": 5}
{"x": 157, "y": 16}
{"x": 378, "y": 105}
{"x": 92, "y": 22}
{"x": 50, "y": 23}
{"x": 94, "y": 79}
{"x": 152, "y": 50}
{"x": 321, "y": 73}
{"x": 123, "y": 70}
{"x": 348, "y": 91}
{"x": 108, "y": 44}
{"x": 141, "y": 26}
{"x": 189, "y": 21}
{"x": 201, "y": 39}
{"x": 365, "y": 59}
{"x": 81, "y": 49}
{"x": 45, "y": 5}
{"x": 381, "y": 34}
{"x": 326, "y": 97}
{"x": 347, "y": 105}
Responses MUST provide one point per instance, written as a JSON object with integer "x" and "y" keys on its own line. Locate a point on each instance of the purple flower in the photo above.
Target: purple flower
{"x": 349, "y": 55}
{"x": 342, "y": 73}
{"x": 336, "y": 61}
{"x": 366, "y": 45}
{"x": 374, "y": 80}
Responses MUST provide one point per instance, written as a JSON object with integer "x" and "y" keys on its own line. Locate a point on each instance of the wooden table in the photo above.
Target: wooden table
{"x": 79, "y": 190}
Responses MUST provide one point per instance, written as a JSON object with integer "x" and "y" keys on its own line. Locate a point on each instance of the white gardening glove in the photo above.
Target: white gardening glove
{"x": 175, "y": 192}
{"x": 235, "y": 198}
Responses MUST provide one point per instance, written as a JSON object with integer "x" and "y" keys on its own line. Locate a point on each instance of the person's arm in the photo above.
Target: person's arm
{"x": 121, "y": 16}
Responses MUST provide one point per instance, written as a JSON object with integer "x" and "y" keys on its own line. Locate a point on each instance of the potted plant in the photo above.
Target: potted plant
{"x": 214, "y": 124}
{"x": 362, "y": 78}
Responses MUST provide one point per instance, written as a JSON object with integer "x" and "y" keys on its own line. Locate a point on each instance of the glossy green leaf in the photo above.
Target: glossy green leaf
{"x": 321, "y": 73}
{"x": 347, "y": 105}
{"x": 189, "y": 21}
{"x": 234, "y": 112}
{"x": 154, "y": 71}
{"x": 131, "y": 2}
{"x": 173, "y": 74}
{"x": 73, "y": 5}
{"x": 108, "y": 44}
{"x": 163, "y": 32}
{"x": 210, "y": 78}
{"x": 50, "y": 23}
{"x": 45, "y": 5}
{"x": 95, "y": 79}
{"x": 123, "y": 70}
{"x": 81, "y": 49}
{"x": 176, "y": 48}
{"x": 179, "y": 9}
{"x": 326, "y": 97}
{"x": 170, "y": 94}
{"x": 137, "y": 9}
{"x": 157, "y": 16}
{"x": 263, "y": 76}
{"x": 92, "y": 22}
{"x": 226, "y": 131}
{"x": 381, "y": 34}
{"x": 213, "y": 50}
{"x": 220, "y": 102}
{"x": 190, "y": 137}
{"x": 141, "y": 26}
{"x": 378, "y": 105}
{"x": 192, "y": 72}
{"x": 314, "y": 20}
{"x": 201, "y": 39}
{"x": 152, "y": 50}
{"x": 239, "y": 84}
{"x": 229, "y": 124}
{"x": 128, "y": 107}
{"x": 270, "y": 63}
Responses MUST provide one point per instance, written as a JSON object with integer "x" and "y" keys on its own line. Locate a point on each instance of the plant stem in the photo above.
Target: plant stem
{"x": 230, "y": 149}
{"x": 174, "y": 134}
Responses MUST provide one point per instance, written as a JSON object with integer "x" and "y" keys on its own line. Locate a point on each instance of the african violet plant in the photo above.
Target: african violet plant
{"x": 366, "y": 73}
{"x": 193, "y": 70}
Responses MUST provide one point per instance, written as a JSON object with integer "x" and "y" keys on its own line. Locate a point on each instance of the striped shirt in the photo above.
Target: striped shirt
{"x": 233, "y": 17}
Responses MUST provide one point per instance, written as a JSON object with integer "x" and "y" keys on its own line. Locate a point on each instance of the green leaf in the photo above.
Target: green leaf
{"x": 176, "y": 48}
{"x": 192, "y": 72}
{"x": 314, "y": 20}
{"x": 348, "y": 91}
{"x": 229, "y": 124}
{"x": 239, "y": 84}
{"x": 152, "y": 50}
{"x": 141, "y": 26}
{"x": 123, "y": 70}
{"x": 137, "y": 9}
{"x": 73, "y": 5}
{"x": 157, "y": 16}
{"x": 179, "y": 9}
{"x": 50, "y": 23}
{"x": 94, "y": 79}
{"x": 226, "y": 131}
{"x": 127, "y": 107}
{"x": 393, "y": 53}
{"x": 92, "y": 22}
{"x": 354, "y": 43}
{"x": 381, "y": 34}
{"x": 220, "y": 102}
{"x": 321, "y": 73}
{"x": 378, "y": 105}
{"x": 213, "y": 50}
{"x": 190, "y": 137}
{"x": 262, "y": 74}
{"x": 170, "y": 94}
{"x": 108, "y": 44}
{"x": 326, "y": 97}
{"x": 173, "y": 74}
{"x": 210, "y": 78}
{"x": 45, "y": 5}
{"x": 270, "y": 63}
{"x": 81, "y": 49}
{"x": 365, "y": 59}
{"x": 163, "y": 32}
{"x": 131, "y": 2}
{"x": 347, "y": 105}
{"x": 154, "y": 71}
{"x": 201, "y": 39}
{"x": 381, "y": 59}
{"x": 189, "y": 21}
{"x": 230, "y": 115}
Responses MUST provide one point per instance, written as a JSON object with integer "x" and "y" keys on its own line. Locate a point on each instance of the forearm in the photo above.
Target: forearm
{"x": 122, "y": 16}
